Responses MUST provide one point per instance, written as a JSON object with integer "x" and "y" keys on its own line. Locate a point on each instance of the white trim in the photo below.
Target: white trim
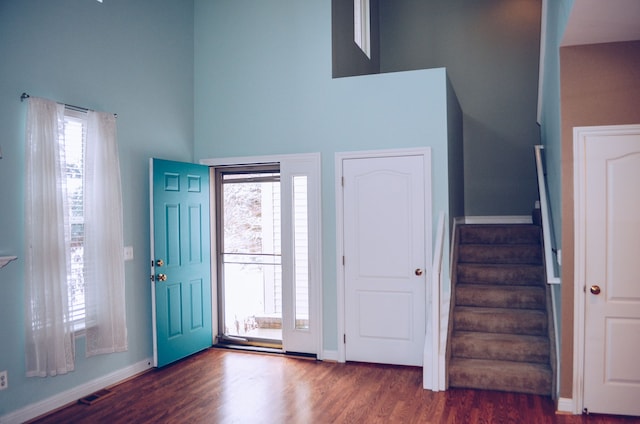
{"x": 152, "y": 271}
{"x": 366, "y": 154}
{"x": 330, "y": 355}
{"x": 61, "y": 399}
{"x": 578, "y": 293}
{"x": 580, "y": 135}
{"x": 315, "y": 224}
{"x": 565, "y": 406}
{"x": 542, "y": 62}
{"x": 255, "y": 160}
{"x": 434, "y": 358}
{"x": 505, "y": 219}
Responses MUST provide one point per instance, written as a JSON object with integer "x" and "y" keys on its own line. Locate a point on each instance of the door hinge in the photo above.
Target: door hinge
{"x": 344, "y": 338}
{"x": 342, "y": 181}
{"x": 342, "y": 260}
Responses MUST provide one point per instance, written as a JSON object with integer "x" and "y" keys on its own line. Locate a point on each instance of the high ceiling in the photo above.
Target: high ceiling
{"x": 602, "y": 21}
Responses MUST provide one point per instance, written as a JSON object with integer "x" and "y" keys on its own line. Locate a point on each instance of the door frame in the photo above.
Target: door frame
{"x": 315, "y": 227}
{"x": 580, "y": 136}
{"x": 425, "y": 152}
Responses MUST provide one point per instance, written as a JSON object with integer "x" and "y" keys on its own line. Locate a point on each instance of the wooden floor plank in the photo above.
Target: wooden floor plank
{"x": 225, "y": 386}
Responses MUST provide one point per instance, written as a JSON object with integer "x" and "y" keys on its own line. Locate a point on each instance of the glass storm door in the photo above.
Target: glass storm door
{"x": 249, "y": 255}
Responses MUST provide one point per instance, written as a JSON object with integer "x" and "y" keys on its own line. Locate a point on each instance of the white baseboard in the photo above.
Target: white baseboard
{"x": 330, "y": 355}
{"x": 505, "y": 219}
{"x": 61, "y": 399}
{"x": 565, "y": 406}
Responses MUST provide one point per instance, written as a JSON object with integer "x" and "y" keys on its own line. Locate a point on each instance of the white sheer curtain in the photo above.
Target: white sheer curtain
{"x": 49, "y": 324}
{"x": 49, "y": 334}
{"x": 106, "y": 329}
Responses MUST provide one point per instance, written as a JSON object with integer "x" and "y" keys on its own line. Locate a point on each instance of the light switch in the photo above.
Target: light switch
{"x": 128, "y": 253}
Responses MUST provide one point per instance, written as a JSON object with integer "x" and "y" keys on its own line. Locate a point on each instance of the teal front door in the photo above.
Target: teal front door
{"x": 180, "y": 256}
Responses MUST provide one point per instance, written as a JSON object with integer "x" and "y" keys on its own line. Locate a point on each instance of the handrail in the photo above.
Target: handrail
{"x": 434, "y": 363}
{"x": 552, "y": 278}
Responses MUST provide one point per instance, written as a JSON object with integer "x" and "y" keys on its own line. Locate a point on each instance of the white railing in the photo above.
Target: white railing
{"x": 552, "y": 278}
{"x": 546, "y": 222}
{"x": 434, "y": 367}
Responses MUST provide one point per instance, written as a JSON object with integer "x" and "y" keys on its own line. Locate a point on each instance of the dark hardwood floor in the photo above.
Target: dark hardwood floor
{"x": 224, "y": 386}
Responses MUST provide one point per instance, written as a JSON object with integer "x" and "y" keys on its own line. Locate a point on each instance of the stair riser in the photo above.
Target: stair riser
{"x": 501, "y": 378}
{"x": 496, "y": 297}
{"x": 502, "y": 254}
{"x": 492, "y": 274}
{"x": 537, "y": 352}
{"x": 535, "y": 325}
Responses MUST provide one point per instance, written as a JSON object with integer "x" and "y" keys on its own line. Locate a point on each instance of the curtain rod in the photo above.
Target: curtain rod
{"x": 24, "y": 96}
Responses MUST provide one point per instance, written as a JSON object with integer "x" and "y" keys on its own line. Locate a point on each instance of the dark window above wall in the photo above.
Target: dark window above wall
{"x": 348, "y": 58}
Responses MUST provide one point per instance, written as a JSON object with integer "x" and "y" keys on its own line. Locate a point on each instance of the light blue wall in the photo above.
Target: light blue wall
{"x": 550, "y": 129}
{"x": 134, "y": 58}
{"x": 550, "y": 121}
{"x": 491, "y": 50}
{"x": 263, "y": 86}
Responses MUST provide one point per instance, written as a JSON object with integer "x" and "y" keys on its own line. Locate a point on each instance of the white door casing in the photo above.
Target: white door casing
{"x": 300, "y": 340}
{"x": 607, "y": 288}
{"x": 384, "y": 236}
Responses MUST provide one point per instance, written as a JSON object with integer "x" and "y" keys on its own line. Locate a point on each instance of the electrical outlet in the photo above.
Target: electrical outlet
{"x": 4, "y": 380}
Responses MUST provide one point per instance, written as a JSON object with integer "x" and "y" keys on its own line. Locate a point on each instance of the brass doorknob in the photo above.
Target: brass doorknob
{"x": 161, "y": 277}
{"x": 595, "y": 289}
{"x": 159, "y": 262}
{"x": 418, "y": 272}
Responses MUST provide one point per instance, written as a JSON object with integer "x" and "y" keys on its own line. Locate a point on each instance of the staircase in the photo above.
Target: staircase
{"x": 499, "y": 338}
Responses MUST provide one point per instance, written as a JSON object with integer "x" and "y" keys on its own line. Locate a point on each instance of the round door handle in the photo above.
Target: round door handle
{"x": 418, "y": 272}
{"x": 595, "y": 289}
{"x": 159, "y": 262}
{"x": 161, "y": 277}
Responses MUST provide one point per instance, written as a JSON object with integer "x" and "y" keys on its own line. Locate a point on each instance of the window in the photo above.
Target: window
{"x": 362, "y": 25}
{"x": 75, "y": 129}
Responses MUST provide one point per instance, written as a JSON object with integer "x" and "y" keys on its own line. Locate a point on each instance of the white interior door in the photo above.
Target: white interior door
{"x": 385, "y": 258}
{"x": 610, "y": 166}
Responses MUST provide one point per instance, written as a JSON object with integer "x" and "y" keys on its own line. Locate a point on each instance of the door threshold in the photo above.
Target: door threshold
{"x": 261, "y": 349}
